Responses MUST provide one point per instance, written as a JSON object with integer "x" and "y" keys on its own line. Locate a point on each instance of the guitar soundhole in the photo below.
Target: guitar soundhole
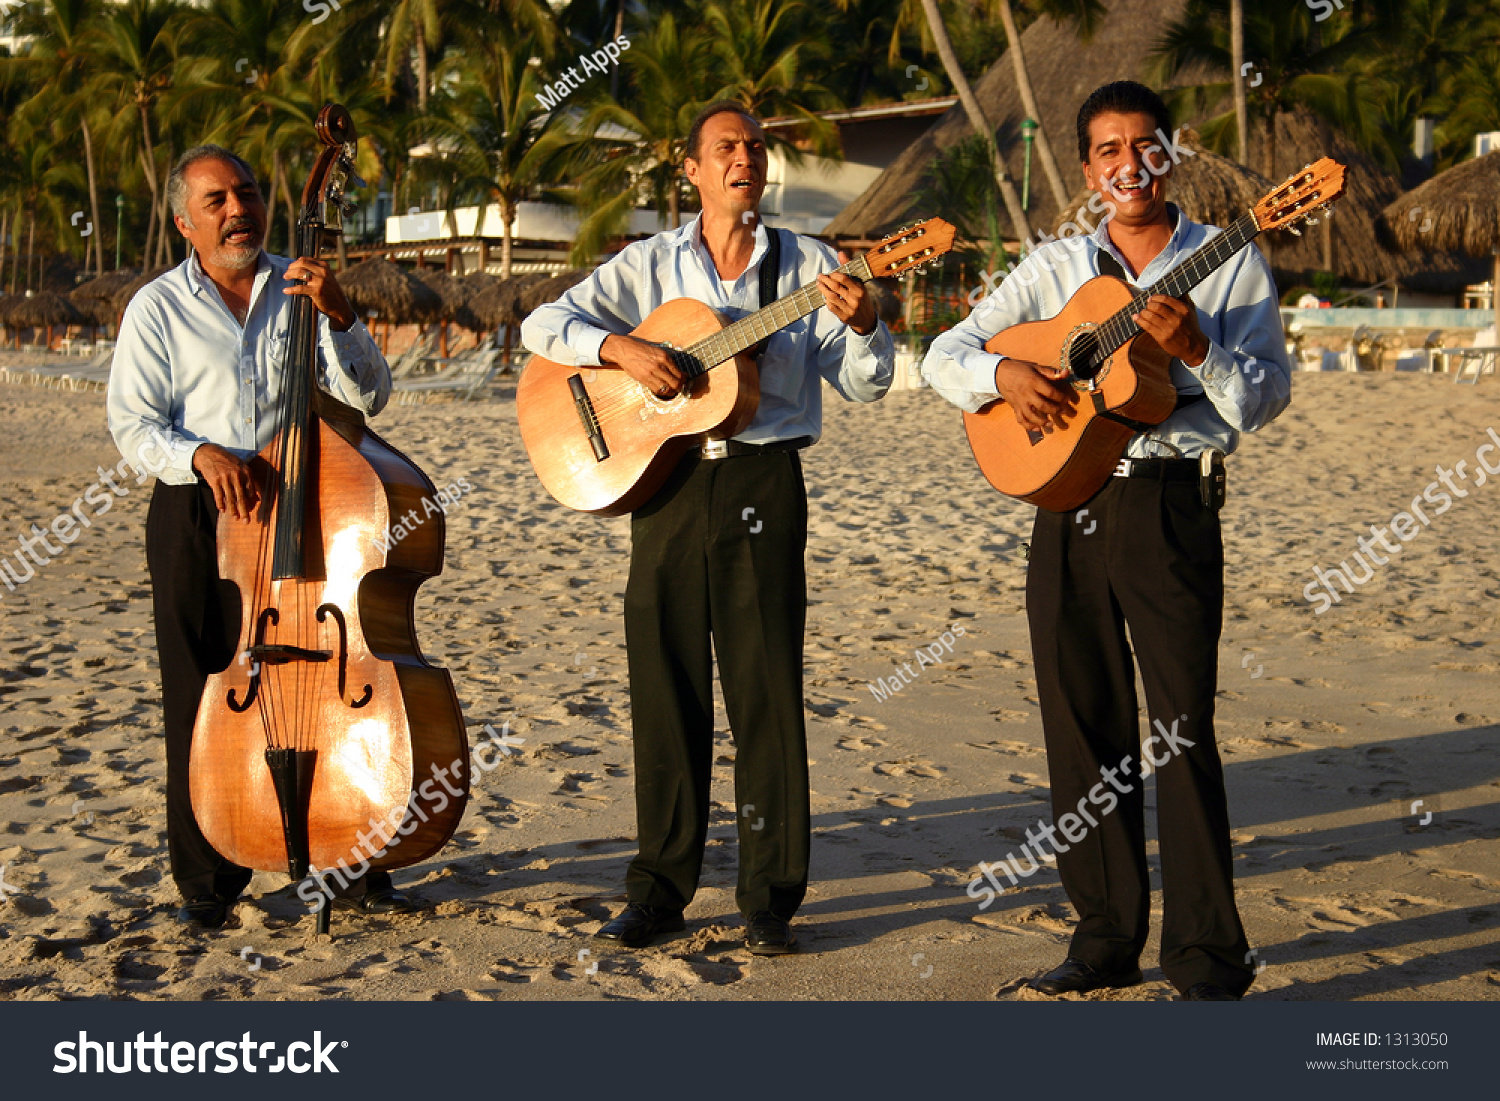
{"x": 1082, "y": 357}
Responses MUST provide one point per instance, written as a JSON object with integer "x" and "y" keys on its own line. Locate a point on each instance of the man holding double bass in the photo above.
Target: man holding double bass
{"x": 1150, "y": 559}
{"x": 716, "y": 565}
{"x": 198, "y": 369}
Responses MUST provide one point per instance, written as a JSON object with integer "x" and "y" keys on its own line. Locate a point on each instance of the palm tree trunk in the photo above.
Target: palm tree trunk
{"x": 271, "y": 202}
{"x": 148, "y": 160}
{"x": 614, "y": 74}
{"x": 4, "y": 242}
{"x": 1028, "y": 101}
{"x": 30, "y": 244}
{"x": 1237, "y": 58}
{"x": 507, "y": 226}
{"x": 150, "y": 227}
{"x": 291, "y": 214}
{"x": 976, "y": 118}
{"x": 421, "y": 47}
{"x": 97, "y": 237}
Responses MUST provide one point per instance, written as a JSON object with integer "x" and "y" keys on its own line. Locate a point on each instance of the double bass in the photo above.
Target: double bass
{"x": 319, "y": 748}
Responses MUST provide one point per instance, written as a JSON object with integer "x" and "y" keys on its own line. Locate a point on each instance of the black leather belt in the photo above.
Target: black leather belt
{"x": 1160, "y": 470}
{"x": 729, "y": 449}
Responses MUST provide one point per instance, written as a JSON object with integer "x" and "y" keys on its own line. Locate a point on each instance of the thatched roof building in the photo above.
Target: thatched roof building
{"x": 1063, "y": 72}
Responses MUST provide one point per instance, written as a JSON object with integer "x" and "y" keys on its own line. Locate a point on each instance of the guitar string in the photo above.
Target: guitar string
{"x": 698, "y": 359}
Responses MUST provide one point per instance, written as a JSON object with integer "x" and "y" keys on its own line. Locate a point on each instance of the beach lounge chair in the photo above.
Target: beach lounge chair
{"x": 463, "y": 377}
{"x": 1421, "y": 359}
{"x": 410, "y": 361}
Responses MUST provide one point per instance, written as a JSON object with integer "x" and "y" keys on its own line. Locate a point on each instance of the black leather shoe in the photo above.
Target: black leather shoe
{"x": 204, "y": 912}
{"x": 767, "y": 935}
{"x": 1208, "y": 992}
{"x": 387, "y": 900}
{"x": 638, "y": 925}
{"x": 1073, "y": 976}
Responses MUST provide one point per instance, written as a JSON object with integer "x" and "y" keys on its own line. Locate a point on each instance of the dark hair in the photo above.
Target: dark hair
{"x": 1124, "y": 97}
{"x": 719, "y": 107}
{"x": 177, "y": 184}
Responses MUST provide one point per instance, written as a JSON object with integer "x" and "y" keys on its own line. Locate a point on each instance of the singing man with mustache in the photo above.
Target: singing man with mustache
{"x": 716, "y": 556}
{"x": 200, "y": 365}
{"x": 1149, "y": 558}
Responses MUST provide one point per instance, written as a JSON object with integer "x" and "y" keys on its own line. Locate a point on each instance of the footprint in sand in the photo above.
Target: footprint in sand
{"x": 910, "y": 766}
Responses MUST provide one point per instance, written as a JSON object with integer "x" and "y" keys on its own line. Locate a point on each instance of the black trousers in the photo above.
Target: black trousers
{"x": 1148, "y": 557}
{"x": 717, "y": 555}
{"x": 197, "y": 626}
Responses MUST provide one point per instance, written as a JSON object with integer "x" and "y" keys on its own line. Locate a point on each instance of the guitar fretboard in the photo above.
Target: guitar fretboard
{"x": 1176, "y": 283}
{"x": 753, "y": 328}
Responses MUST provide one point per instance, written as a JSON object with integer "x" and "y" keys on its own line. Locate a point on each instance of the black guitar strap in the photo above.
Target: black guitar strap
{"x": 1108, "y": 265}
{"x": 770, "y": 274}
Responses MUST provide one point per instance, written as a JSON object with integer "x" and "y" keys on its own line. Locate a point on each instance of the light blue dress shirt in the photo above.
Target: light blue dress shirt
{"x": 187, "y": 372}
{"x": 1246, "y": 376}
{"x": 621, "y": 293}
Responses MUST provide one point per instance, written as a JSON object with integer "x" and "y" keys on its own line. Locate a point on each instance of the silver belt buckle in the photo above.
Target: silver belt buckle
{"x": 715, "y": 449}
{"x": 1122, "y": 469}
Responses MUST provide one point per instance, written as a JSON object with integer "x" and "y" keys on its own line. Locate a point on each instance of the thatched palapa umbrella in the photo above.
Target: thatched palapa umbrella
{"x": 379, "y": 286}
{"x": 550, "y": 290}
{"x": 453, "y": 294}
{"x": 128, "y": 291}
{"x": 45, "y": 310}
{"x": 103, "y": 287}
{"x": 1456, "y": 210}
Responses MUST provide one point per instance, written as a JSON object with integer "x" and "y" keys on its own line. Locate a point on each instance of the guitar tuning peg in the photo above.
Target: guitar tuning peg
{"x": 1294, "y": 231}
{"x": 1311, "y": 220}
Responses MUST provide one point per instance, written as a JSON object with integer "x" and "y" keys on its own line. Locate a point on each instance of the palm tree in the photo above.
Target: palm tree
{"x": 765, "y": 52}
{"x": 1302, "y": 64}
{"x": 1084, "y": 16}
{"x": 977, "y": 120}
{"x": 486, "y": 135}
{"x": 134, "y": 65}
{"x": 58, "y": 66}
{"x": 626, "y": 153}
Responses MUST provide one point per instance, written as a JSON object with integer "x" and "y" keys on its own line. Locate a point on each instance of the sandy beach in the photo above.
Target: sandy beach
{"x": 1360, "y": 744}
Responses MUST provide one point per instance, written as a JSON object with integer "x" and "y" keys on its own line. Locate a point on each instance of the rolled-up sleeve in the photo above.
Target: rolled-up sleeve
{"x": 353, "y": 368}
{"x": 1246, "y": 373}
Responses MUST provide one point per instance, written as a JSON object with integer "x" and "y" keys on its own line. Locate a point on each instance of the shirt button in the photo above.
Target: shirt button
{"x": 249, "y": 420}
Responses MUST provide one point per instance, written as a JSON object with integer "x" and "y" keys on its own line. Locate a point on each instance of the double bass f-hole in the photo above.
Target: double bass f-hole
{"x": 268, "y": 616}
{"x": 338, "y": 617}
{"x": 263, "y": 654}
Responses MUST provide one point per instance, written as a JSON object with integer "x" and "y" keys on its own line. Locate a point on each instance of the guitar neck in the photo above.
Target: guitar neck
{"x": 751, "y": 329}
{"x": 1181, "y": 279}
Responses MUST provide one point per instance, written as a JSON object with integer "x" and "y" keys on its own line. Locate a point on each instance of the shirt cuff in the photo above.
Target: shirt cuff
{"x": 590, "y": 346}
{"x": 1217, "y": 366}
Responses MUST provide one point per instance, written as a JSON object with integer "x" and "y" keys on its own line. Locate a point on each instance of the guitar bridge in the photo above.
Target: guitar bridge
{"x": 585, "y": 406}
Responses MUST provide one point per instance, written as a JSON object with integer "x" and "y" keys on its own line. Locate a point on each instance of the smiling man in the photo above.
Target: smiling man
{"x": 200, "y": 364}
{"x": 1150, "y": 560}
{"x": 716, "y": 565}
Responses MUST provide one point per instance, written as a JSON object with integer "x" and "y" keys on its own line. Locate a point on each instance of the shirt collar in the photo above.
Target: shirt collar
{"x": 1163, "y": 260}
{"x": 693, "y": 234}
{"x": 198, "y": 279}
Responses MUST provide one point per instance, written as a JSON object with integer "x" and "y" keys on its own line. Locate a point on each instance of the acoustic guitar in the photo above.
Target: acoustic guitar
{"x": 1122, "y": 377}
{"x": 601, "y": 442}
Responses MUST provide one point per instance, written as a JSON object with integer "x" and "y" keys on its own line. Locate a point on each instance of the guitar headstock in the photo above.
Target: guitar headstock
{"x": 1300, "y": 196}
{"x": 910, "y": 248}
